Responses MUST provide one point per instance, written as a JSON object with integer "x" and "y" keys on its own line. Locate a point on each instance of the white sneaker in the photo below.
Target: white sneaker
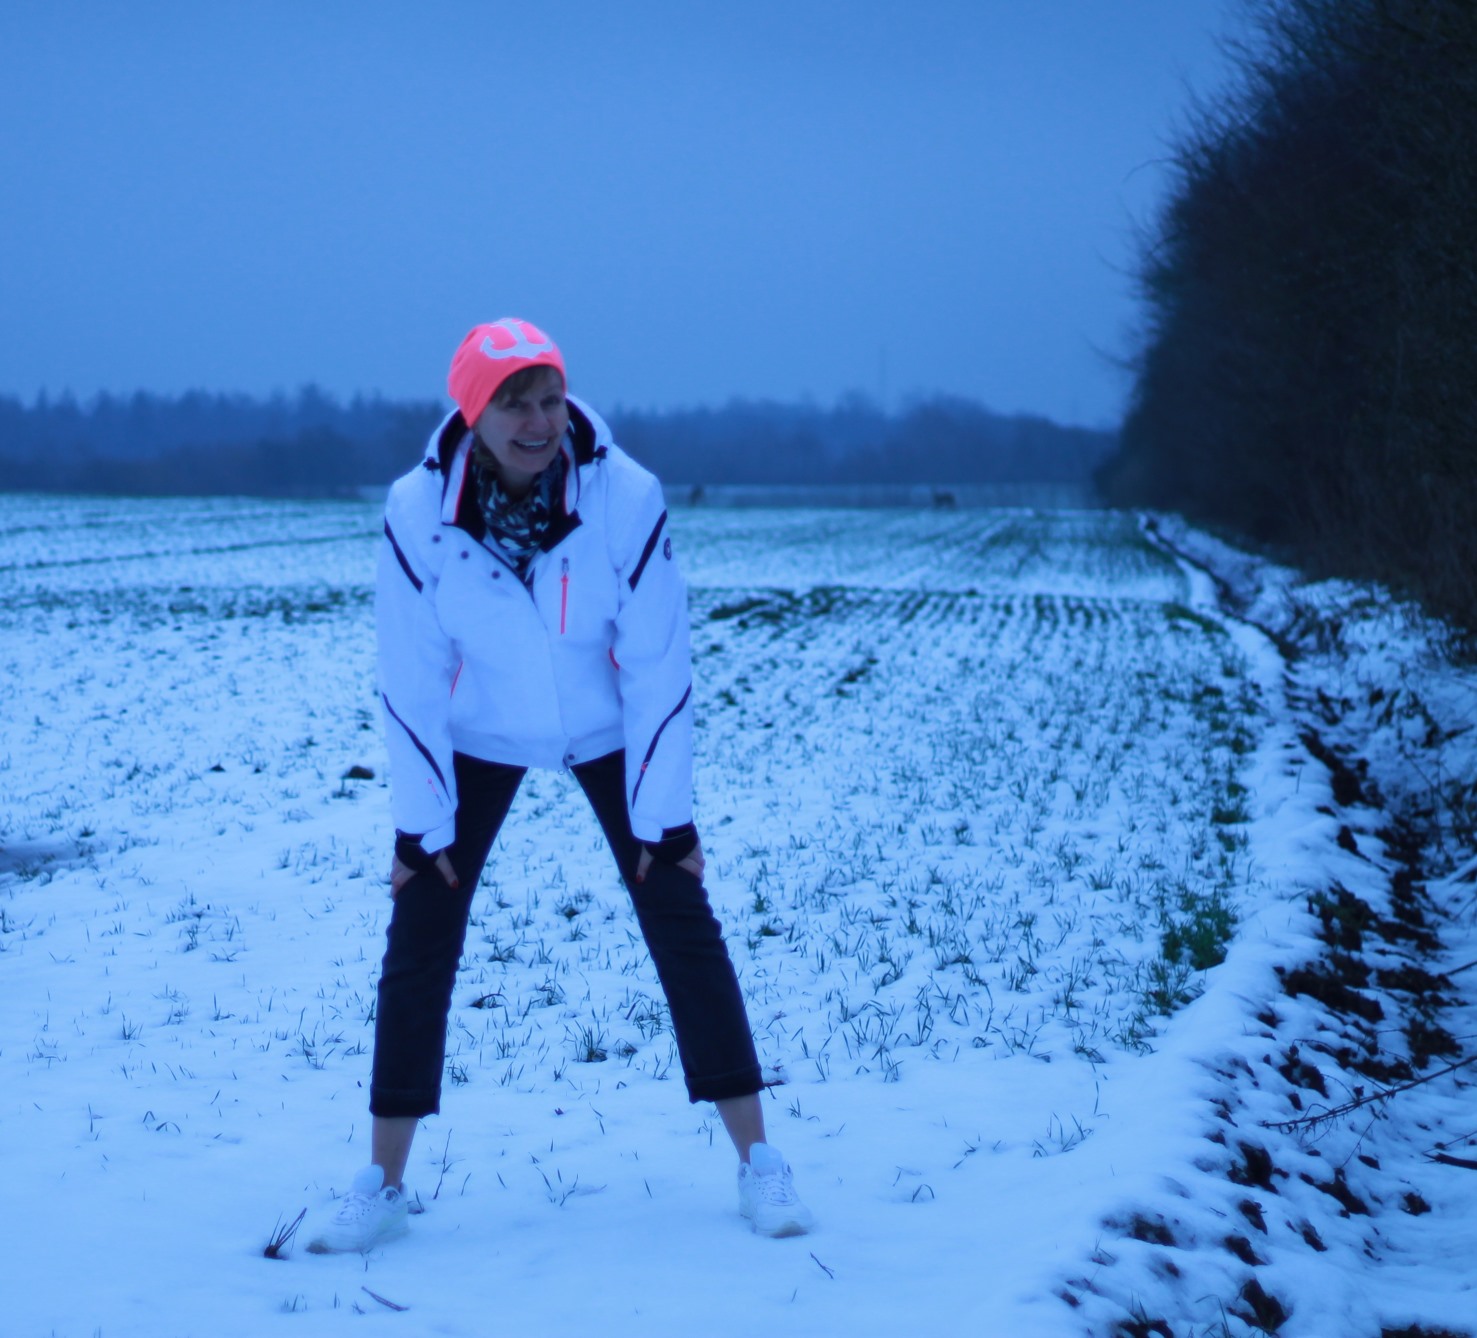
{"x": 369, "y": 1213}
{"x": 767, "y": 1195}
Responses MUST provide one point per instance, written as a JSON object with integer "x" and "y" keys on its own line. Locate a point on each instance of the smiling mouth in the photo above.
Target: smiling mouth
{"x": 534, "y": 447}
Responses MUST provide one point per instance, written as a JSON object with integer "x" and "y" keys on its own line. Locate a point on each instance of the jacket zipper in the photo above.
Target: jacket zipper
{"x": 563, "y": 592}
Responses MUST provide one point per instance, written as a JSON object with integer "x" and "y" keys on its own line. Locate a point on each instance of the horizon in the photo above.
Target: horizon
{"x": 848, "y": 400}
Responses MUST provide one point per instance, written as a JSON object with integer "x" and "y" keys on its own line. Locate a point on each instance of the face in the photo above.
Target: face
{"x": 523, "y": 434}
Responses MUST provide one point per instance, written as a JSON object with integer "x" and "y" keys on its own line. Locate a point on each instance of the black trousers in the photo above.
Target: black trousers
{"x": 428, "y": 929}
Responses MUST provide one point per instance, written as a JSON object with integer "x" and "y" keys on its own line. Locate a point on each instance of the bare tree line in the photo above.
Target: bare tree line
{"x": 1307, "y": 378}
{"x": 310, "y": 445}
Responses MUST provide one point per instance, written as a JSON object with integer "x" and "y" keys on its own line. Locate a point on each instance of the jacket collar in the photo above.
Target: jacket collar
{"x": 451, "y": 455}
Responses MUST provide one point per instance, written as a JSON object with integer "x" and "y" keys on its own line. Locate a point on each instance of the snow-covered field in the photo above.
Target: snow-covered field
{"x": 1012, "y": 827}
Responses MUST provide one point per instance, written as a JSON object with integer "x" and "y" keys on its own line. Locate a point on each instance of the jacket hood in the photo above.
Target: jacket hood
{"x": 449, "y": 454}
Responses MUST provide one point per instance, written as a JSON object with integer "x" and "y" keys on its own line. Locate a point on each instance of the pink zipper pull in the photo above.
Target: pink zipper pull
{"x": 563, "y": 592}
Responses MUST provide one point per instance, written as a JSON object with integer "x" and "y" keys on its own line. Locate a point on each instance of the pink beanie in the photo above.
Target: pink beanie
{"x": 490, "y": 354}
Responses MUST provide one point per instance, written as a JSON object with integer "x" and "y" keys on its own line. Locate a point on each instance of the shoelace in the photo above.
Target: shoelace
{"x": 353, "y": 1207}
{"x": 777, "y": 1188}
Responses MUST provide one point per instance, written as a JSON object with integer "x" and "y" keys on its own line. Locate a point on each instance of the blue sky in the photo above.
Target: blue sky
{"x": 775, "y": 200}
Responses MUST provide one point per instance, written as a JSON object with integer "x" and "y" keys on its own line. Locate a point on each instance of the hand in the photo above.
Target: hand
{"x": 401, "y": 873}
{"x": 692, "y": 862}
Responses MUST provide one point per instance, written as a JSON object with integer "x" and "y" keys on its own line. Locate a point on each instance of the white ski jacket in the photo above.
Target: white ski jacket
{"x": 590, "y": 656}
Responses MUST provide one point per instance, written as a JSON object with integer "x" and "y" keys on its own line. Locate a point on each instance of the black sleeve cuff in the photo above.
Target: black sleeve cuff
{"x": 410, "y": 852}
{"x": 676, "y": 845}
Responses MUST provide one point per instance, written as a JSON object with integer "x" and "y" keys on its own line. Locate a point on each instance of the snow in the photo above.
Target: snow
{"x": 958, "y": 770}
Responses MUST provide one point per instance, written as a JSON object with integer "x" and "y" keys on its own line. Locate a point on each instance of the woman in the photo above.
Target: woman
{"x": 530, "y": 613}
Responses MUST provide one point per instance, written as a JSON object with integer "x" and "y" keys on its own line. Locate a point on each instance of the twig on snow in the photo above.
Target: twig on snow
{"x": 1447, "y": 1160}
{"x": 1319, "y": 1117}
{"x": 383, "y": 1300}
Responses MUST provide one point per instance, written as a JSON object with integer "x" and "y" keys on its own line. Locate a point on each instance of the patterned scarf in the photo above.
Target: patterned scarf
{"x": 517, "y": 525}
